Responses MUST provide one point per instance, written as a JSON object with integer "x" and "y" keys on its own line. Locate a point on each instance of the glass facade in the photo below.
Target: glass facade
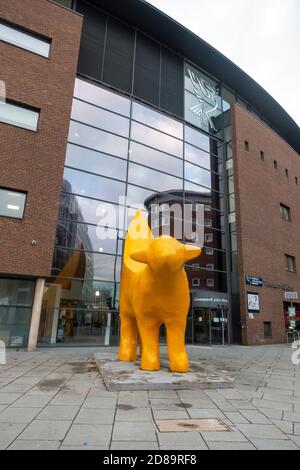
{"x": 123, "y": 156}
{"x": 16, "y": 299}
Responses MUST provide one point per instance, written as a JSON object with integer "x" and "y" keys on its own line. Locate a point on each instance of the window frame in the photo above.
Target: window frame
{"x": 287, "y": 266}
{"x": 17, "y": 191}
{"x": 30, "y": 33}
{"x": 285, "y": 209}
{"x": 22, "y": 106}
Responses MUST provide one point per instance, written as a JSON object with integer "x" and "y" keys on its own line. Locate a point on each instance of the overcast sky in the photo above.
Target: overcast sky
{"x": 260, "y": 36}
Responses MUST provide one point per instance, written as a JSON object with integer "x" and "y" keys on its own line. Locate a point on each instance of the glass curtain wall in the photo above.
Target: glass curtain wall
{"x": 16, "y": 299}
{"x": 121, "y": 156}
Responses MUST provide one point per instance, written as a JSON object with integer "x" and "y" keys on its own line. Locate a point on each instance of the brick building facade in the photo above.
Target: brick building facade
{"x": 96, "y": 111}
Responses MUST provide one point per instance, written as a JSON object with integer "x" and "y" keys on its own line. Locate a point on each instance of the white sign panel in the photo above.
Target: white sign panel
{"x": 291, "y": 295}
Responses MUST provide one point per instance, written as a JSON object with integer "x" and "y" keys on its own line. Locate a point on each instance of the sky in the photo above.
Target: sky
{"x": 260, "y": 36}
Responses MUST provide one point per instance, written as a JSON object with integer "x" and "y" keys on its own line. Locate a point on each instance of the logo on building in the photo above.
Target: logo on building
{"x": 206, "y": 96}
{"x": 2, "y": 353}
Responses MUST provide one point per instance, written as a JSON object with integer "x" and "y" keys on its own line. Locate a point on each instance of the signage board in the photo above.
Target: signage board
{"x": 291, "y": 295}
{"x": 292, "y": 311}
{"x": 254, "y": 281}
{"x": 253, "y": 302}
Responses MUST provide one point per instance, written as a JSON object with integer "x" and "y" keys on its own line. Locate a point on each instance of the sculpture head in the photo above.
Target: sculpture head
{"x": 166, "y": 254}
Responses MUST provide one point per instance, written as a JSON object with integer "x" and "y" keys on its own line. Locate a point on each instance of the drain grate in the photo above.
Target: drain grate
{"x": 189, "y": 425}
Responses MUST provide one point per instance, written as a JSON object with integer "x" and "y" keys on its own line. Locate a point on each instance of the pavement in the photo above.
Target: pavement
{"x": 55, "y": 399}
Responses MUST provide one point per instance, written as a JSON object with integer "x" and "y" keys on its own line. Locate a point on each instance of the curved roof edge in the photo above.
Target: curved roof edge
{"x": 152, "y": 21}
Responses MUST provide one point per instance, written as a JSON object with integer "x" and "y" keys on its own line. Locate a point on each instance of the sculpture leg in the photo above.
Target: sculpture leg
{"x": 149, "y": 332}
{"x": 128, "y": 343}
{"x": 178, "y": 357}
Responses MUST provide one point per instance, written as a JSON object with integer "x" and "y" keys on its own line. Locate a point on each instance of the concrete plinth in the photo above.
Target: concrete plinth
{"x": 120, "y": 376}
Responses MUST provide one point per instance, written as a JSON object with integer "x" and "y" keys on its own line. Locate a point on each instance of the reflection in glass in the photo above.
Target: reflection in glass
{"x": 85, "y": 265}
{"x": 155, "y": 159}
{"x": 95, "y": 162}
{"x": 95, "y": 139}
{"x": 158, "y": 120}
{"x": 197, "y": 175}
{"x": 94, "y": 186}
{"x": 83, "y": 209}
{"x": 101, "y": 97}
{"x": 156, "y": 139}
{"x": 16, "y": 292}
{"x": 197, "y": 156}
{"x": 152, "y": 179}
{"x": 100, "y": 118}
{"x": 88, "y": 237}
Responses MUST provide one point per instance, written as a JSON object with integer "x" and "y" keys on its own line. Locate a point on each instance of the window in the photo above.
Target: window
{"x": 210, "y": 267}
{"x": 195, "y": 282}
{"x": 15, "y": 36}
{"x": 285, "y": 212}
{"x": 210, "y": 282}
{"x": 208, "y": 223}
{"x": 296, "y": 180}
{"x": 267, "y": 329}
{"x": 286, "y": 172}
{"x": 262, "y": 155}
{"x": 19, "y": 116}
{"x": 209, "y": 238}
{"x": 64, "y": 3}
{"x": 247, "y": 146}
{"x": 290, "y": 263}
{"x": 12, "y": 204}
{"x": 209, "y": 251}
{"x": 275, "y": 164}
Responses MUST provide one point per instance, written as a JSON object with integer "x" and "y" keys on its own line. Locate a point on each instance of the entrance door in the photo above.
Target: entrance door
{"x": 219, "y": 326}
{"x": 201, "y": 326}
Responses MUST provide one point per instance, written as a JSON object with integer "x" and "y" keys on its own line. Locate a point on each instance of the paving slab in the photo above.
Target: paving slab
{"x": 231, "y": 446}
{"x": 133, "y": 414}
{"x": 58, "y": 413}
{"x": 118, "y": 375}
{"x": 46, "y": 430}
{"x": 95, "y": 416}
{"x": 119, "y": 445}
{"x": 133, "y": 431}
{"x": 21, "y": 444}
{"x": 261, "y": 431}
{"x": 182, "y": 440}
{"x": 88, "y": 435}
{"x": 16, "y": 415}
{"x": 273, "y": 444}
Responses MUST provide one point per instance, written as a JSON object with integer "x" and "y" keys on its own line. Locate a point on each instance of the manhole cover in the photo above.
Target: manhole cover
{"x": 189, "y": 425}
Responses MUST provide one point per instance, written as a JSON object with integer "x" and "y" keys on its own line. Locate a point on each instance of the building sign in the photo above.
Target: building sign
{"x": 254, "y": 281}
{"x": 203, "y": 102}
{"x": 210, "y": 299}
{"x": 291, "y": 295}
{"x": 292, "y": 311}
{"x": 253, "y": 302}
{"x": 259, "y": 282}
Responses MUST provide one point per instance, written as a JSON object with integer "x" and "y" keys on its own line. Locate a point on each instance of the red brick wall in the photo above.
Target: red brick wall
{"x": 263, "y": 237}
{"x": 31, "y": 161}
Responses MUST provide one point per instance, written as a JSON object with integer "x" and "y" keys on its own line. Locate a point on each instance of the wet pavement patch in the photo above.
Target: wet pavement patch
{"x": 126, "y": 407}
{"x": 51, "y": 383}
{"x": 184, "y": 405}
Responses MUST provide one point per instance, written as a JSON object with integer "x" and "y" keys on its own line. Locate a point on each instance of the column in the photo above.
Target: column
{"x": 36, "y": 314}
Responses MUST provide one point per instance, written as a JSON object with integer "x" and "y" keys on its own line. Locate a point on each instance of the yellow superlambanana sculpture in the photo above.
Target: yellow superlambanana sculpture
{"x": 154, "y": 291}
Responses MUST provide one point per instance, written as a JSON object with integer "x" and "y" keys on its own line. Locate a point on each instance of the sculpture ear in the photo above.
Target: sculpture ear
{"x": 192, "y": 252}
{"x": 140, "y": 255}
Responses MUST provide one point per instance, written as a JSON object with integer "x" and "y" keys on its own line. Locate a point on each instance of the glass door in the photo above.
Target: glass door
{"x": 219, "y": 326}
